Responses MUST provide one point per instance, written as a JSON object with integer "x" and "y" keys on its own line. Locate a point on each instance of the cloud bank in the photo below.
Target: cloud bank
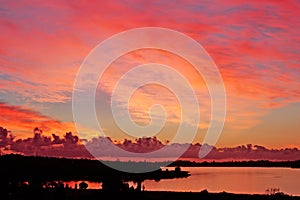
{"x": 71, "y": 146}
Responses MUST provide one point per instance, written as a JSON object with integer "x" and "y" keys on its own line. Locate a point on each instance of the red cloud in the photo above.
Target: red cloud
{"x": 254, "y": 44}
{"x": 22, "y": 120}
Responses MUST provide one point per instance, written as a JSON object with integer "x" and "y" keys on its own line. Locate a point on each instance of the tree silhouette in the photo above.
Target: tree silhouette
{"x": 83, "y": 185}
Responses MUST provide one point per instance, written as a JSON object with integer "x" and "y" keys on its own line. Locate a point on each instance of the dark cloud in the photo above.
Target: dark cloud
{"x": 142, "y": 145}
{"x": 70, "y": 139}
{"x": 70, "y": 146}
{"x": 5, "y": 138}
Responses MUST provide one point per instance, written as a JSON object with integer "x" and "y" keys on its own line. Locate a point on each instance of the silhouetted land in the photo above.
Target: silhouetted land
{"x": 71, "y": 194}
{"x": 30, "y": 177}
{"x": 35, "y": 173}
{"x": 24, "y": 168}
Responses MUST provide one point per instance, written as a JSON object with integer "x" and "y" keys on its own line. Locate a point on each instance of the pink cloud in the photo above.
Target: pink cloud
{"x": 254, "y": 44}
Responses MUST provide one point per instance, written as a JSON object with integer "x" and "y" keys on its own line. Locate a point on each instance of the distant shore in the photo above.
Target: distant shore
{"x": 250, "y": 163}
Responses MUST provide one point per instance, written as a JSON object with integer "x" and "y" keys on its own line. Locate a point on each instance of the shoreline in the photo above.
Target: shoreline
{"x": 73, "y": 194}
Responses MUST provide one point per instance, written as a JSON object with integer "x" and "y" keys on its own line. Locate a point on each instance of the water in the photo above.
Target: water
{"x": 248, "y": 180}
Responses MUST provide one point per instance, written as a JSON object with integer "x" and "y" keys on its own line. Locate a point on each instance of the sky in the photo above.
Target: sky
{"x": 255, "y": 46}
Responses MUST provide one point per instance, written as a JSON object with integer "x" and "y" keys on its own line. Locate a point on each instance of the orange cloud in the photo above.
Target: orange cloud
{"x": 254, "y": 44}
{"x": 22, "y": 121}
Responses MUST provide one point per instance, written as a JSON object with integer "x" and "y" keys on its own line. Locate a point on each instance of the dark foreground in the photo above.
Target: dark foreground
{"x": 89, "y": 194}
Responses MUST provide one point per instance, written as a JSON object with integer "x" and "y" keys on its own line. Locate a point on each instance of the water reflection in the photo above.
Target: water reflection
{"x": 248, "y": 180}
{"x": 251, "y": 180}
{"x": 95, "y": 185}
{"x": 75, "y": 184}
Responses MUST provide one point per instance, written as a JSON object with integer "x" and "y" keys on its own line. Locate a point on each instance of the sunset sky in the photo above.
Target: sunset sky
{"x": 255, "y": 46}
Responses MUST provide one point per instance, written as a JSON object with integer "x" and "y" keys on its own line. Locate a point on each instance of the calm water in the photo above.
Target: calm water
{"x": 232, "y": 179}
{"x": 248, "y": 180}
